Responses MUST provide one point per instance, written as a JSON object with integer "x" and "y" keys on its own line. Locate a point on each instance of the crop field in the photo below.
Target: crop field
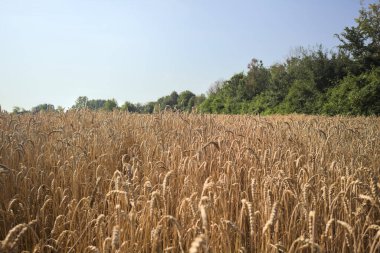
{"x": 85, "y": 181}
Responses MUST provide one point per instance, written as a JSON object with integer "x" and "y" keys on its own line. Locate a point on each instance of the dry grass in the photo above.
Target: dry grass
{"x": 115, "y": 182}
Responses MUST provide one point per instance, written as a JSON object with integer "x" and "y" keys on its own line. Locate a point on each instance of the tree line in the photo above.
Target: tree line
{"x": 311, "y": 81}
{"x": 343, "y": 81}
{"x": 184, "y": 101}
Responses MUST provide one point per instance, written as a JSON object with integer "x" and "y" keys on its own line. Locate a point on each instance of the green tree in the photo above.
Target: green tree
{"x": 362, "y": 41}
{"x": 149, "y": 107}
{"x": 95, "y": 104}
{"x": 129, "y": 107}
{"x": 205, "y": 106}
{"x": 199, "y": 99}
{"x": 258, "y": 79}
{"x": 215, "y": 87}
{"x": 43, "y": 107}
{"x": 18, "y": 110}
{"x": 170, "y": 100}
{"x": 311, "y": 64}
{"x": 186, "y": 100}
{"x": 81, "y": 102}
{"x": 110, "y": 104}
{"x": 356, "y": 95}
{"x": 301, "y": 98}
{"x": 60, "y": 109}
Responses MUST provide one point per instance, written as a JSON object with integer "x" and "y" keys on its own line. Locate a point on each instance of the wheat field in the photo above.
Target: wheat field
{"x": 85, "y": 181}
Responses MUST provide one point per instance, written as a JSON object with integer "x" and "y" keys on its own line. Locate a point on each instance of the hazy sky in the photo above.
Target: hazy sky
{"x": 54, "y": 51}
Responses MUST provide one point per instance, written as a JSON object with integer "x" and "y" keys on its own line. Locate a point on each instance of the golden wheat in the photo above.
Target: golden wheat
{"x": 84, "y": 181}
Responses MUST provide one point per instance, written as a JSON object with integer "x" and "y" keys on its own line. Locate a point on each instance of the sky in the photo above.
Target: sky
{"x": 54, "y": 51}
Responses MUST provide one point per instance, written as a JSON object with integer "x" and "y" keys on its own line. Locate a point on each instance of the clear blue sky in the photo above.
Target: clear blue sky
{"x": 53, "y": 51}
